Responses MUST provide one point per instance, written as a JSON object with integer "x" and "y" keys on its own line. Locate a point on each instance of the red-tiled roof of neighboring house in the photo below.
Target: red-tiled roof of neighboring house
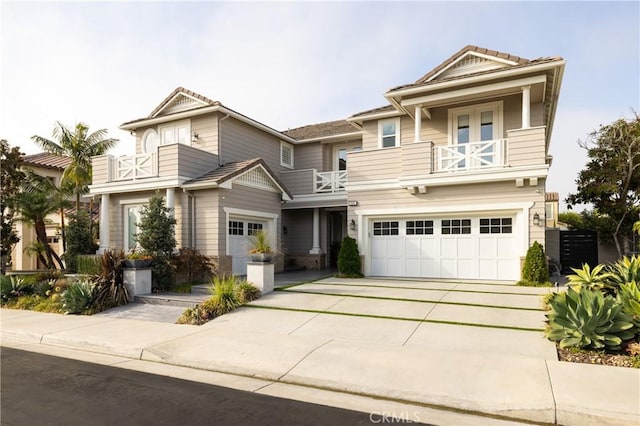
{"x": 47, "y": 161}
{"x": 551, "y": 196}
{"x": 329, "y": 128}
{"x": 231, "y": 170}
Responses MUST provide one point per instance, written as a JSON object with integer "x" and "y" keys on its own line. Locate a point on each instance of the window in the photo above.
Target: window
{"x": 389, "y": 133}
{"x": 253, "y": 228}
{"x": 419, "y": 227}
{"x": 456, "y": 226}
{"x": 150, "y": 141}
{"x": 236, "y": 228}
{"x": 496, "y": 225}
{"x": 175, "y": 133}
{"x": 385, "y": 228}
{"x": 475, "y": 124}
{"x": 286, "y": 154}
{"x": 132, "y": 217}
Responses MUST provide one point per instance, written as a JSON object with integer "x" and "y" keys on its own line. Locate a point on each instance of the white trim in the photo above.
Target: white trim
{"x": 175, "y": 125}
{"x": 317, "y": 200}
{"x": 474, "y": 120}
{"x": 134, "y": 201}
{"x": 270, "y": 218}
{"x": 174, "y": 97}
{"x": 428, "y": 209}
{"x": 476, "y": 79}
{"x": 332, "y": 138}
{"x": 286, "y": 145}
{"x": 143, "y": 141}
{"x": 137, "y": 185}
{"x": 450, "y": 96}
{"x": 125, "y": 221}
{"x": 377, "y": 115}
{"x": 471, "y": 53}
{"x": 396, "y": 123}
{"x": 348, "y": 147}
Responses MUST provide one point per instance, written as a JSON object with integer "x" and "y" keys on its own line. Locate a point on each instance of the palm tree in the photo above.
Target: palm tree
{"x": 80, "y": 146}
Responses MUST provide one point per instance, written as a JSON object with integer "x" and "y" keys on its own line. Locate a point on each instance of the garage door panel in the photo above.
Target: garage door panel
{"x": 505, "y": 248}
{"x": 465, "y": 248}
{"x": 487, "y": 247}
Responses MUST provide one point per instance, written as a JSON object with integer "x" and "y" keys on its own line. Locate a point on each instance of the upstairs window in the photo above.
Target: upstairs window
{"x": 389, "y": 133}
{"x": 286, "y": 155}
{"x": 175, "y": 133}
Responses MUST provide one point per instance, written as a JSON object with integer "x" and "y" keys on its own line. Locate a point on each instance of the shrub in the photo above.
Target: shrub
{"x": 246, "y": 292}
{"x": 13, "y": 286}
{"x": 110, "y": 288}
{"x": 349, "y": 259}
{"x": 77, "y": 298}
{"x": 193, "y": 266}
{"x": 224, "y": 297}
{"x": 629, "y": 298}
{"x": 195, "y": 316}
{"x": 43, "y": 288}
{"x": 78, "y": 239}
{"x": 535, "y": 265}
{"x": 526, "y": 283}
{"x": 88, "y": 264}
{"x": 587, "y": 319}
{"x": 625, "y": 270}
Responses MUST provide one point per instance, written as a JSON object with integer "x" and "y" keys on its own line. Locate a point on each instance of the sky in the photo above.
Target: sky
{"x": 289, "y": 64}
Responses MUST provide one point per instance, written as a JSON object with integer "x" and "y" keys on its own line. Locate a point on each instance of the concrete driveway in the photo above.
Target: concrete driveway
{"x": 437, "y": 315}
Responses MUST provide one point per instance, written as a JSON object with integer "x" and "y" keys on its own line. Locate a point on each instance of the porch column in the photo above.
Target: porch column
{"x": 104, "y": 224}
{"x": 526, "y": 107}
{"x": 171, "y": 200}
{"x": 418, "y": 123}
{"x": 315, "y": 248}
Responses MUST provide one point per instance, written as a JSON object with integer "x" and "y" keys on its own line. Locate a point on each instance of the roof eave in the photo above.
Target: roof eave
{"x": 331, "y": 138}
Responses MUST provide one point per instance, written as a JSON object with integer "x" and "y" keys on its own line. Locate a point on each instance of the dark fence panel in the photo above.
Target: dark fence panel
{"x": 578, "y": 248}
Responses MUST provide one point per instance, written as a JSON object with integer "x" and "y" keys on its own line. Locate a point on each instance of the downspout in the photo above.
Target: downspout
{"x": 220, "y": 120}
{"x": 192, "y": 237}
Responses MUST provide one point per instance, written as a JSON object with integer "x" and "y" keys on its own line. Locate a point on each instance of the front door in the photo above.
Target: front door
{"x": 337, "y": 227}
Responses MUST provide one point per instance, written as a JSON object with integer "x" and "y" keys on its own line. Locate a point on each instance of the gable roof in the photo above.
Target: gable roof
{"x": 229, "y": 171}
{"x": 184, "y": 95}
{"x": 328, "y": 128}
{"x": 47, "y": 161}
{"x": 386, "y": 108}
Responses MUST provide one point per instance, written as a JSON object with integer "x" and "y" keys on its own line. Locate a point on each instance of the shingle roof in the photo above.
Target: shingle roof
{"x": 329, "y": 128}
{"x": 48, "y": 161}
{"x": 233, "y": 169}
{"x": 186, "y": 92}
{"x": 374, "y": 110}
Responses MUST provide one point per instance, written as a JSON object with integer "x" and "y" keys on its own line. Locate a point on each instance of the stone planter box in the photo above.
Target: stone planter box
{"x": 137, "y": 281}
{"x": 261, "y": 274}
{"x": 137, "y": 263}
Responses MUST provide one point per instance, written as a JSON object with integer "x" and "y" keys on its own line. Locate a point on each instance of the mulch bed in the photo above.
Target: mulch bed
{"x": 623, "y": 359}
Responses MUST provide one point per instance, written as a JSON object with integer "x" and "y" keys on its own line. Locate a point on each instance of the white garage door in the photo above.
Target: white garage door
{"x": 239, "y": 231}
{"x": 453, "y": 247}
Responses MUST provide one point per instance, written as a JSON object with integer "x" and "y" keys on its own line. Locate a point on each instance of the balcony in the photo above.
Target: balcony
{"x": 470, "y": 156}
{"x": 330, "y": 182}
{"x": 133, "y": 167}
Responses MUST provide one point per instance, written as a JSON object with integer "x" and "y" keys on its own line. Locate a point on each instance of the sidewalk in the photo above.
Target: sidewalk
{"x": 498, "y": 386}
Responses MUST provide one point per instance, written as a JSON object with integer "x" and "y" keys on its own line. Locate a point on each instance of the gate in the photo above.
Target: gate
{"x": 578, "y": 248}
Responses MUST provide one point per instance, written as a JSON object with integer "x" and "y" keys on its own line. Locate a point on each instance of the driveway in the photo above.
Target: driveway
{"x": 436, "y": 315}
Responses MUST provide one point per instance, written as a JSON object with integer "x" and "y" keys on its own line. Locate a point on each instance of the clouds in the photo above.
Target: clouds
{"x": 291, "y": 64}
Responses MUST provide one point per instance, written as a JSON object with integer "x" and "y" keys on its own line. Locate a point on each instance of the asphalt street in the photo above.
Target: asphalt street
{"x": 44, "y": 390}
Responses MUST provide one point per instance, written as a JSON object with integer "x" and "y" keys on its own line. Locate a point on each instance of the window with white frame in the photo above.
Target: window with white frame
{"x": 286, "y": 154}
{"x": 178, "y": 132}
{"x": 389, "y": 133}
{"x": 477, "y": 123}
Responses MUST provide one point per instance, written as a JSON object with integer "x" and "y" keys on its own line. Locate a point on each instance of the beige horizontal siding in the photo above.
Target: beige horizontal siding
{"x": 241, "y": 142}
{"x": 100, "y": 166}
{"x": 377, "y": 164}
{"x": 308, "y": 156}
{"x": 207, "y": 129}
{"x": 184, "y": 160}
{"x": 299, "y": 181}
{"x": 416, "y": 159}
{"x": 526, "y": 147}
{"x": 207, "y": 238}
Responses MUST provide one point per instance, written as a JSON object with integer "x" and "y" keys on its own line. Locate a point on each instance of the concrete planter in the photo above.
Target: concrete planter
{"x": 261, "y": 257}
{"x": 262, "y": 275}
{"x": 137, "y": 281}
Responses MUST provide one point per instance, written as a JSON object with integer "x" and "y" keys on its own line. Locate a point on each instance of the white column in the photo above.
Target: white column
{"x": 171, "y": 200}
{"x": 104, "y": 224}
{"x": 315, "y": 248}
{"x": 526, "y": 107}
{"x": 418, "y": 123}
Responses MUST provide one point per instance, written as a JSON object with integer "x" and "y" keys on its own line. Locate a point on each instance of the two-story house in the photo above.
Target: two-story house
{"x": 445, "y": 181}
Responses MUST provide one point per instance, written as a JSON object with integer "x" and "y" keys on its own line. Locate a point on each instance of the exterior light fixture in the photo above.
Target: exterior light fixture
{"x": 194, "y": 137}
{"x": 352, "y": 225}
{"x": 536, "y": 219}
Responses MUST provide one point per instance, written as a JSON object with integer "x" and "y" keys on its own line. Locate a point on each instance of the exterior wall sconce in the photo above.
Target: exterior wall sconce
{"x": 536, "y": 219}
{"x": 353, "y": 203}
{"x": 352, "y": 225}
{"x": 194, "y": 137}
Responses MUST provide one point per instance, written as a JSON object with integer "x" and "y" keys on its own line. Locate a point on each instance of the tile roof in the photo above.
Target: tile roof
{"x": 46, "y": 160}
{"x": 551, "y": 196}
{"x": 233, "y": 169}
{"x": 520, "y": 63}
{"x": 329, "y": 128}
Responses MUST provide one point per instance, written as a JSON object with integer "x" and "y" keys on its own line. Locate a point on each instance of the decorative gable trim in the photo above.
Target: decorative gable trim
{"x": 471, "y": 63}
{"x": 256, "y": 177}
{"x": 178, "y": 103}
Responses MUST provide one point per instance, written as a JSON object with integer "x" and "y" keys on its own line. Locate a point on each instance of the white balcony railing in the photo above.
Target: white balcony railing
{"x": 134, "y": 167}
{"x": 470, "y": 156}
{"x": 330, "y": 181}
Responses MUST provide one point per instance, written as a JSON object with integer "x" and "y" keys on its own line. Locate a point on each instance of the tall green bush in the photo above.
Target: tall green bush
{"x": 535, "y": 268}
{"x": 157, "y": 238}
{"x": 349, "y": 264}
{"x": 79, "y": 239}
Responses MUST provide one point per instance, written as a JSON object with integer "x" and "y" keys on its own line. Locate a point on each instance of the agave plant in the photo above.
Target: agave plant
{"x": 593, "y": 279}
{"x": 13, "y": 286}
{"x": 629, "y": 298}
{"x": 78, "y": 297}
{"x": 625, "y": 270}
{"x": 587, "y": 319}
